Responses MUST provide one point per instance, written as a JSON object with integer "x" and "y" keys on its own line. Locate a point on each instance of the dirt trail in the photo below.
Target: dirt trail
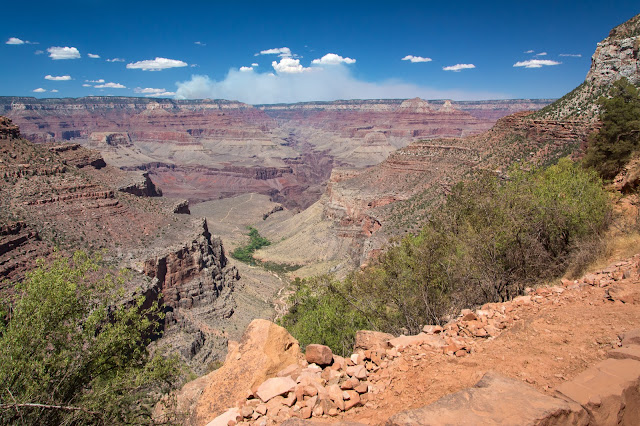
{"x": 550, "y": 340}
{"x": 233, "y": 207}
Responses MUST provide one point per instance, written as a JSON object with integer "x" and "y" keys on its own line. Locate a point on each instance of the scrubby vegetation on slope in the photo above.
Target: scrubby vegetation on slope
{"x": 256, "y": 241}
{"x": 489, "y": 241}
{"x": 71, "y": 355}
{"x": 611, "y": 148}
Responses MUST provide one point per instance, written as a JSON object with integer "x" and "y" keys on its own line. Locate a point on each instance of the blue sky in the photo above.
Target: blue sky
{"x": 196, "y": 49}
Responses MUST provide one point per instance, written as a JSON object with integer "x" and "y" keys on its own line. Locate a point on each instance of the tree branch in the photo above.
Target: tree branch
{"x": 46, "y": 406}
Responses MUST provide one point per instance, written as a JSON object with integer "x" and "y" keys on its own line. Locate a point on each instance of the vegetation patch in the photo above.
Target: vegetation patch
{"x": 490, "y": 241}
{"x": 256, "y": 242}
{"x": 245, "y": 253}
{"x": 71, "y": 354}
{"x": 611, "y": 148}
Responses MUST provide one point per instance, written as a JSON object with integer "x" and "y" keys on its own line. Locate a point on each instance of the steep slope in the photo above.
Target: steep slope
{"x": 616, "y": 56}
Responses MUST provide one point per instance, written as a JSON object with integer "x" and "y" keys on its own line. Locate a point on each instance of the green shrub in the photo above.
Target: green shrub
{"x": 320, "y": 313}
{"x": 612, "y": 146}
{"x": 71, "y": 355}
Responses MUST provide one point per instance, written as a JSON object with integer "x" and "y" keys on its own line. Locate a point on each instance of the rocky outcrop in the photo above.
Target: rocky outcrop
{"x": 76, "y": 155}
{"x": 617, "y": 56}
{"x": 181, "y": 207}
{"x": 8, "y": 130}
{"x": 191, "y": 275}
{"x": 20, "y": 247}
{"x": 143, "y": 186}
{"x": 265, "y": 349}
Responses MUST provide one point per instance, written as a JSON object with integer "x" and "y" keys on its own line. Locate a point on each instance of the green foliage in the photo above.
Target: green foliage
{"x": 486, "y": 244}
{"x": 613, "y": 145}
{"x": 256, "y": 242}
{"x": 245, "y": 253}
{"x": 68, "y": 343}
{"x": 320, "y": 313}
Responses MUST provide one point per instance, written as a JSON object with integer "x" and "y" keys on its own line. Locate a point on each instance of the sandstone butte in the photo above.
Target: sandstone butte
{"x": 564, "y": 354}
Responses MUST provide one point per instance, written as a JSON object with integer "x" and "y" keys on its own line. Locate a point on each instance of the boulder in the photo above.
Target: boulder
{"x": 609, "y": 391}
{"x": 319, "y": 354}
{"x": 265, "y": 349}
{"x": 496, "y": 400}
{"x": 372, "y": 340}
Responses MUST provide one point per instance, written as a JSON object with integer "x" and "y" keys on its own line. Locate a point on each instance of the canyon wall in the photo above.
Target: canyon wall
{"x": 208, "y": 149}
{"x": 59, "y": 198}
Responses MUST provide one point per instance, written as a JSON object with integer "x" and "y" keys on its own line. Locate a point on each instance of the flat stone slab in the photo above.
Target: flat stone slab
{"x": 232, "y": 415}
{"x": 495, "y": 400}
{"x": 609, "y": 391}
{"x": 631, "y": 337}
{"x": 626, "y": 352}
{"x": 434, "y": 341}
{"x": 275, "y": 386}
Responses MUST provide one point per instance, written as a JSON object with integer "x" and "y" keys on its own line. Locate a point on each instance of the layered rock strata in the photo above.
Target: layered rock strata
{"x": 203, "y": 150}
{"x": 63, "y": 196}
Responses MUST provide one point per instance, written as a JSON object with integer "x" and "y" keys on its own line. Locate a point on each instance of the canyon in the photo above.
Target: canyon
{"x": 210, "y": 149}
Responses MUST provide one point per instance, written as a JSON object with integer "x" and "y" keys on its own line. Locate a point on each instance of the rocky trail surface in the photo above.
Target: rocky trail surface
{"x": 562, "y": 354}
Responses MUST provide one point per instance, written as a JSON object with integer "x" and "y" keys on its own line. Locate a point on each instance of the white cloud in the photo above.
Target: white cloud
{"x": 39, "y": 90}
{"x": 254, "y": 64}
{"x": 14, "y": 40}
{"x": 110, "y": 86}
{"x": 541, "y": 54}
{"x": 56, "y": 52}
{"x": 536, "y": 63}
{"x": 323, "y": 84}
{"x": 157, "y": 64}
{"x": 38, "y": 52}
{"x": 416, "y": 59}
{"x": 529, "y": 51}
{"x": 57, "y": 77}
{"x": 458, "y": 67}
{"x": 54, "y": 91}
{"x": 93, "y": 55}
{"x": 288, "y": 66}
{"x": 571, "y": 55}
{"x": 95, "y": 81}
{"x": 283, "y": 52}
{"x": 161, "y": 95}
{"x": 333, "y": 59}
{"x": 115, "y": 60}
{"x": 151, "y": 91}
{"x": 148, "y": 90}
{"x": 199, "y": 43}
{"x": 86, "y": 85}
{"x": 246, "y": 69}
